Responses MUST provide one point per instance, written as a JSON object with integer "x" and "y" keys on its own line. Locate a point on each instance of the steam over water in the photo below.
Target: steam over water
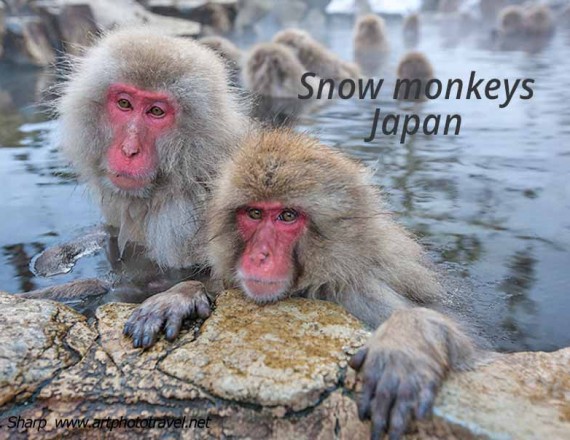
{"x": 492, "y": 204}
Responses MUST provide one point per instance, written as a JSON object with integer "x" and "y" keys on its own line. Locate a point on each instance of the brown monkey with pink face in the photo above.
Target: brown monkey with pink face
{"x": 291, "y": 217}
{"x": 146, "y": 120}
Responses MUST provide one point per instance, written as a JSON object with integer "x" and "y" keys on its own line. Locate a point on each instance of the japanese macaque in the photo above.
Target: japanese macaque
{"x": 539, "y": 22}
{"x": 145, "y": 120}
{"x": 291, "y": 217}
{"x": 512, "y": 22}
{"x": 411, "y": 30}
{"x": 528, "y": 28}
{"x": 273, "y": 70}
{"x": 370, "y": 43}
{"x": 229, "y": 52}
{"x": 273, "y": 74}
{"x": 415, "y": 66}
{"x": 315, "y": 57}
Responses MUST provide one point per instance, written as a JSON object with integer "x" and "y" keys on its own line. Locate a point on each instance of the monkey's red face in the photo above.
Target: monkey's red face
{"x": 270, "y": 231}
{"x": 138, "y": 118}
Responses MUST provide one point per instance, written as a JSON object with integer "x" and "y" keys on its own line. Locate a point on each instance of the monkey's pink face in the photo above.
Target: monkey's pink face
{"x": 138, "y": 118}
{"x": 270, "y": 231}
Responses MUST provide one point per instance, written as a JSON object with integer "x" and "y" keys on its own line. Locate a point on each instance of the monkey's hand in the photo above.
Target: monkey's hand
{"x": 166, "y": 311}
{"x": 402, "y": 367}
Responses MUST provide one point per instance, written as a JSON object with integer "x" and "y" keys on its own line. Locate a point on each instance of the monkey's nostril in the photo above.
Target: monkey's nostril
{"x": 130, "y": 151}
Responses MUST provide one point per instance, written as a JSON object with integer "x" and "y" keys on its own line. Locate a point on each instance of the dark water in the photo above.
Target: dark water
{"x": 492, "y": 204}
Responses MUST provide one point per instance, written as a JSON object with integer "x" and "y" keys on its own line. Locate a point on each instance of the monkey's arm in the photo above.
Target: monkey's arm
{"x": 167, "y": 310}
{"x": 74, "y": 290}
{"x": 60, "y": 259}
{"x": 405, "y": 361}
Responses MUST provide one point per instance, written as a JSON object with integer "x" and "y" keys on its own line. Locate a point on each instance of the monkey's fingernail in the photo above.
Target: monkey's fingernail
{"x": 171, "y": 333}
{"x": 127, "y": 329}
{"x": 137, "y": 342}
{"x": 147, "y": 341}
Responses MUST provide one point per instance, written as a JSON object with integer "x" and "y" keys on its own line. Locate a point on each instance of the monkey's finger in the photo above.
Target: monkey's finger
{"x": 368, "y": 389}
{"x": 145, "y": 329}
{"x": 401, "y": 411}
{"x": 383, "y": 400}
{"x": 129, "y": 327}
{"x": 357, "y": 360}
{"x": 203, "y": 308}
{"x": 173, "y": 326}
{"x": 426, "y": 400}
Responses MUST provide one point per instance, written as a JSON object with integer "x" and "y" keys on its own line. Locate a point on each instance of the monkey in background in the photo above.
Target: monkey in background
{"x": 539, "y": 22}
{"x": 145, "y": 120}
{"x": 229, "y": 52}
{"x": 315, "y": 57}
{"x": 273, "y": 70}
{"x": 273, "y": 74}
{"x": 291, "y": 217}
{"x": 527, "y": 28}
{"x": 411, "y": 30}
{"x": 512, "y": 22}
{"x": 370, "y": 43}
{"x": 415, "y": 66}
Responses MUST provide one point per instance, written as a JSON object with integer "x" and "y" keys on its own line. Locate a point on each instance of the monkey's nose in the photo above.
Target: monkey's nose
{"x": 260, "y": 258}
{"x": 130, "y": 150}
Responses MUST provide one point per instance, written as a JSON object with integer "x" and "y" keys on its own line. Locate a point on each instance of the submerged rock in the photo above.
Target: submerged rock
{"x": 276, "y": 371}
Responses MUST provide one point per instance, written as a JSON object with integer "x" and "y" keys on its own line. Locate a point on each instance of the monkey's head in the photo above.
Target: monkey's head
{"x": 271, "y": 66}
{"x": 289, "y": 215}
{"x": 297, "y": 40}
{"x": 539, "y": 20}
{"x": 415, "y": 65}
{"x": 370, "y": 29}
{"x": 142, "y": 111}
{"x": 511, "y": 21}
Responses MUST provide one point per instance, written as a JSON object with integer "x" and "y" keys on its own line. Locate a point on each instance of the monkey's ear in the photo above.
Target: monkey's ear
{"x": 358, "y": 359}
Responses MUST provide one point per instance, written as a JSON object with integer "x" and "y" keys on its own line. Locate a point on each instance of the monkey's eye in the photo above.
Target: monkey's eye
{"x": 157, "y": 112}
{"x": 124, "y": 104}
{"x": 254, "y": 213}
{"x": 288, "y": 215}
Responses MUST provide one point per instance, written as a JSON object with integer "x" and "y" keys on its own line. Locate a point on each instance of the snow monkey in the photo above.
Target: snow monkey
{"x": 291, "y": 217}
{"x": 370, "y": 43}
{"x": 315, "y": 57}
{"x": 146, "y": 120}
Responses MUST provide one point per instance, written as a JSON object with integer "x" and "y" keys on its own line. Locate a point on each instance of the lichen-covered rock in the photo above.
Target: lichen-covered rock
{"x": 518, "y": 396}
{"x": 37, "y": 340}
{"x": 257, "y": 372}
{"x": 288, "y": 355}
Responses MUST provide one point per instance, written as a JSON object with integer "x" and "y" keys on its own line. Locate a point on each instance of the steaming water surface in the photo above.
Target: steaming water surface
{"x": 492, "y": 205}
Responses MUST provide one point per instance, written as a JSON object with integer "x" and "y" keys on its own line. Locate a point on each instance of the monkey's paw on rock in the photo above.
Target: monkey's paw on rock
{"x": 277, "y": 371}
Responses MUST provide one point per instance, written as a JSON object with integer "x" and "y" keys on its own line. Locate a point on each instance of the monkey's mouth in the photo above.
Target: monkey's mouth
{"x": 129, "y": 183}
{"x": 264, "y": 290}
